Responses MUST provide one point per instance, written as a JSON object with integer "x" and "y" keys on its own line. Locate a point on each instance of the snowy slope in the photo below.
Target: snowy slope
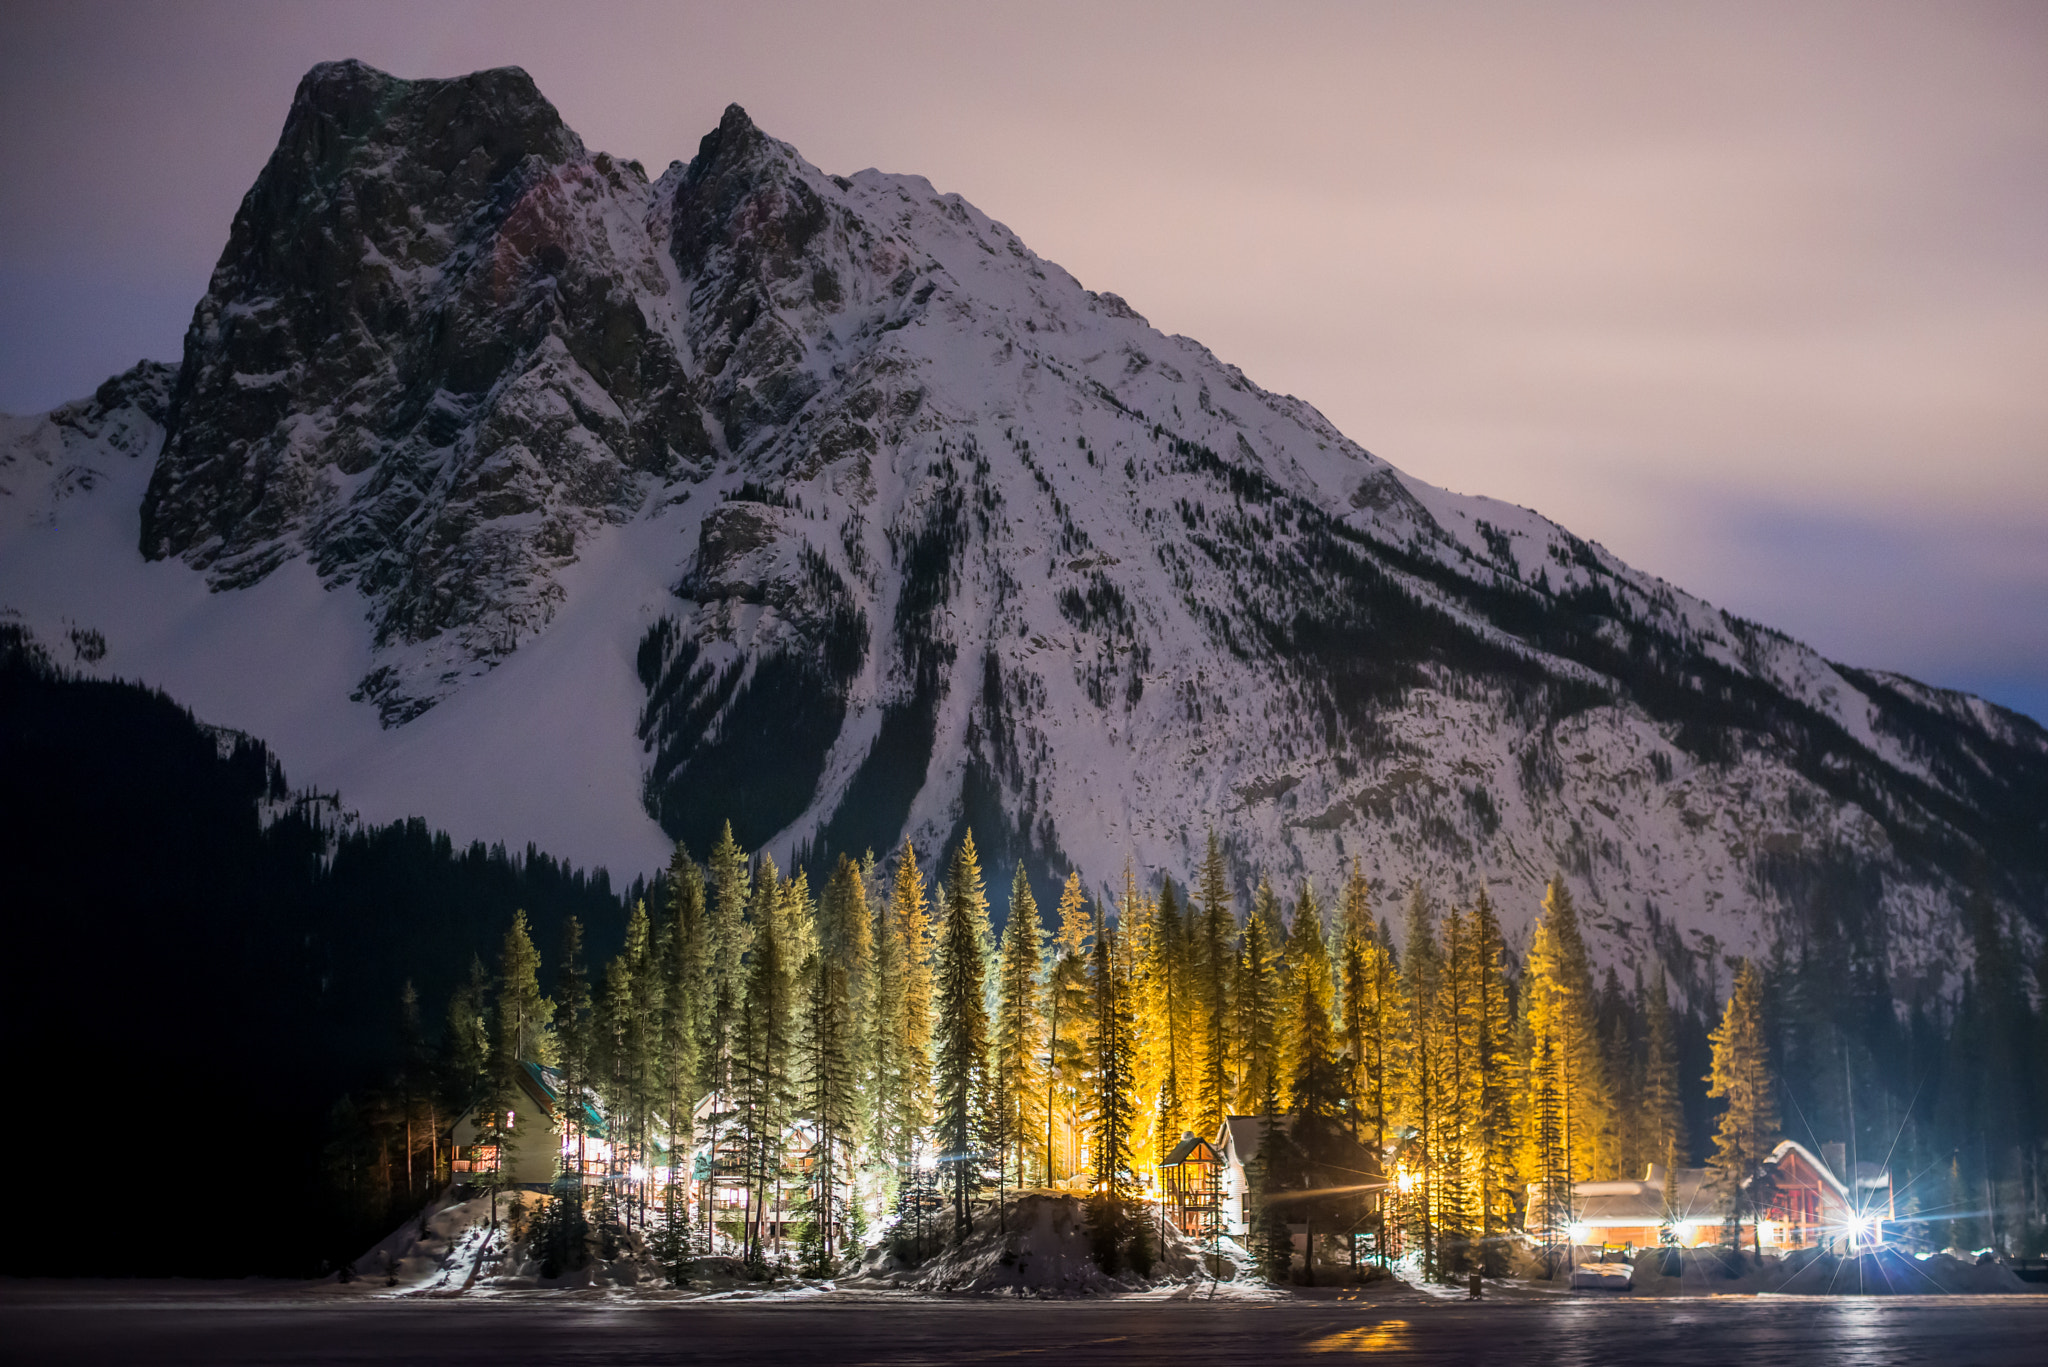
{"x": 824, "y": 504}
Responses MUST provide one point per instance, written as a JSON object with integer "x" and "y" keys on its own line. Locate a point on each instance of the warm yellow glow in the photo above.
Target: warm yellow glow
{"x": 1404, "y": 1180}
{"x": 1371, "y": 1338}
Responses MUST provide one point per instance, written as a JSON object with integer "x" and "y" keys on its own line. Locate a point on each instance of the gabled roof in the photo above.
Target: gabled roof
{"x": 544, "y": 1085}
{"x": 1789, "y": 1146}
{"x": 1240, "y": 1136}
{"x": 1187, "y": 1148}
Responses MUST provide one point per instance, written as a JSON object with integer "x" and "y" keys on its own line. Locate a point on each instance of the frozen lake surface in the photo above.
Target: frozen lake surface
{"x": 238, "y": 1323}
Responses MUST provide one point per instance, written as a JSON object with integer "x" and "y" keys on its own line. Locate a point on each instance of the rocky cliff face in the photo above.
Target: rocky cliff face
{"x": 948, "y": 539}
{"x": 432, "y": 359}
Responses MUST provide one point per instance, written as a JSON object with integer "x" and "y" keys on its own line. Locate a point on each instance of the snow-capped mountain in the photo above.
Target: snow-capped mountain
{"x": 504, "y": 485}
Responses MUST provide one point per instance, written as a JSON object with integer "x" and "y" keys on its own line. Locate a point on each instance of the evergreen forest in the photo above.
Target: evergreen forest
{"x": 226, "y": 994}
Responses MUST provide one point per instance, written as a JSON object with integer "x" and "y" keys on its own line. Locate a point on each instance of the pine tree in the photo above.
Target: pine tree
{"x": 961, "y": 1035}
{"x": 761, "y": 1066}
{"x": 1273, "y": 1173}
{"x": 909, "y": 1080}
{"x": 726, "y": 944}
{"x": 628, "y": 1017}
{"x": 414, "y": 1089}
{"x": 1114, "y": 1111}
{"x": 522, "y": 1035}
{"x": 1559, "y": 1000}
{"x": 1321, "y": 1132}
{"x": 1664, "y": 1118}
{"x": 1493, "y": 1110}
{"x": 829, "y": 1078}
{"x": 1020, "y": 1026}
{"x": 1306, "y": 957}
{"x": 1256, "y": 993}
{"x": 1453, "y": 1166}
{"x": 575, "y": 1044}
{"x": 1070, "y": 1027}
{"x": 1422, "y": 1072}
{"x": 683, "y": 949}
{"x": 1165, "y": 1018}
{"x": 466, "y": 1046}
{"x": 1214, "y": 964}
{"x": 1748, "y": 1128}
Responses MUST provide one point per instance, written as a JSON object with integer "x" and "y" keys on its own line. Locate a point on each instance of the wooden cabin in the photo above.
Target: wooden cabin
{"x": 1191, "y": 1184}
{"x": 1810, "y": 1206}
{"x": 538, "y": 1146}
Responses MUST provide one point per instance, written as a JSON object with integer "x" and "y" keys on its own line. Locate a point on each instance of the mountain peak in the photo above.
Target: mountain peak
{"x": 914, "y": 533}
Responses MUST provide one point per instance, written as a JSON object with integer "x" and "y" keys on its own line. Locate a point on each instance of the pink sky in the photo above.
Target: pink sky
{"x": 1757, "y": 296}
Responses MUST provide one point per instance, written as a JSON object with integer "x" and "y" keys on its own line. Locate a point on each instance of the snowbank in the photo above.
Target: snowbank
{"x": 1042, "y": 1246}
{"x": 453, "y": 1246}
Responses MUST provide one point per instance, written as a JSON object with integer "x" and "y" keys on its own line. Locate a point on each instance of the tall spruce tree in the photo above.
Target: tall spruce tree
{"x": 1214, "y": 964}
{"x": 1020, "y": 1027}
{"x": 961, "y": 1032}
{"x": 1070, "y": 1028}
{"x": 1491, "y": 1050}
{"x": 1321, "y": 1131}
{"x": 829, "y": 1081}
{"x": 761, "y": 1065}
{"x": 1748, "y": 1128}
{"x": 683, "y": 948}
{"x": 1257, "y": 993}
{"x": 1112, "y": 1212}
{"x": 726, "y": 944}
{"x": 1306, "y": 957}
{"x": 1164, "y": 1018}
{"x": 1558, "y": 997}
{"x": 1423, "y": 1073}
{"x": 910, "y": 1012}
{"x": 522, "y": 1035}
{"x": 1664, "y": 1113}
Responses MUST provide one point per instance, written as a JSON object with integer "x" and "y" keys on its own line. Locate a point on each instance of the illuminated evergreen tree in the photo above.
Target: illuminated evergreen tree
{"x": 564, "y": 1239}
{"x": 1113, "y": 1210}
{"x": 1071, "y": 1027}
{"x": 1258, "y": 996}
{"x": 629, "y": 1054}
{"x": 961, "y": 1035}
{"x": 1165, "y": 1019}
{"x": 829, "y": 1083}
{"x": 521, "y": 1036}
{"x": 1558, "y": 998}
{"x": 1305, "y": 957}
{"x": 1213, "y": 964}
{"x": 1491, "y": 1052}
{"x": 1748, "y": 1128}
{"x": 1020, "y": 1027}
{"x": 683, "y": 953}
{"x": 726, "y": 943}
{"x": 1664, "y": 1115}
{"x": 1423, "y": 1074}
{"x": 762, "y": 1049}
{"x": 1332, "y": 1161}
{"x": 907, "y": 1044}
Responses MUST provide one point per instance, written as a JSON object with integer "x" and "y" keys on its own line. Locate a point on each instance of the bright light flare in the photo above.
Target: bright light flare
{"x": 1577, "y": 1232}
{"x": 637, "y": 1172}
